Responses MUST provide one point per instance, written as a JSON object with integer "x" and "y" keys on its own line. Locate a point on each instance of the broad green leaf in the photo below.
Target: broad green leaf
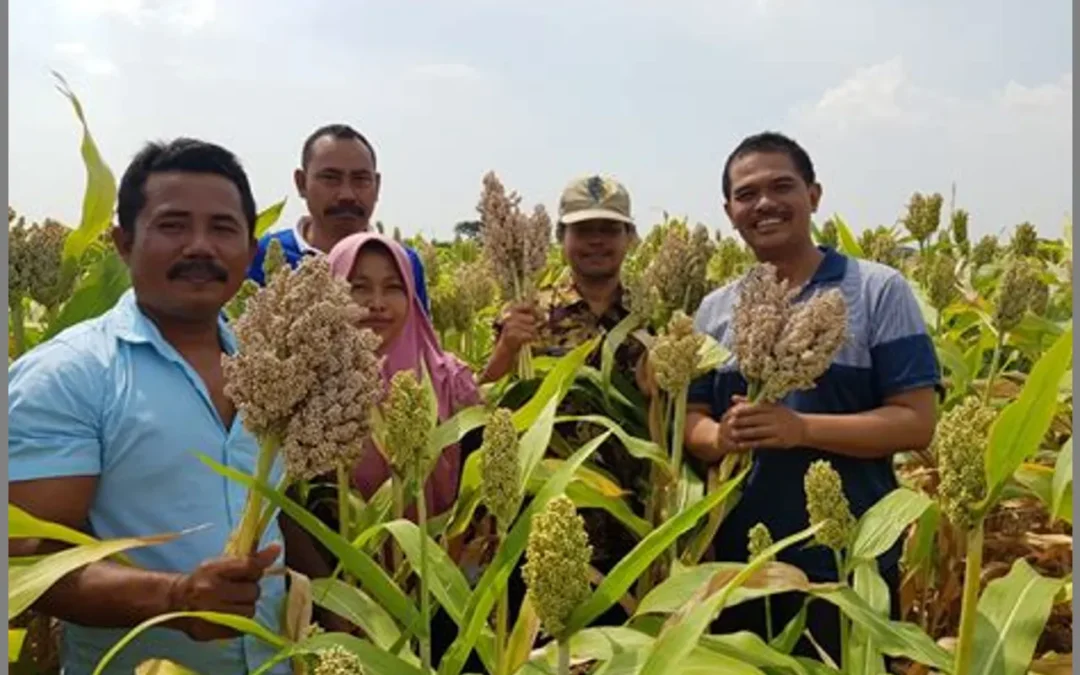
{"x": 682, "y": 633}
{"x": 751, "y": 649}
{"x": 894, "y": 638}
{"x": 22, "y": 525}
{"x": 522, "y": 637}
{"x": 554, "y": 385}
{"x": 885, "y": 522}
{"x": 357, "y": 563}
{"x": 352, "y": 604}
{"x": 97, "y": 290}
{"x": 16, "y": 638}
{"x": 372, "y": 658}
{"x": 1039, "y": 481}
{"x": 863, "y": 656}
{"x": 612, "y": 341}
{"x": 100, "y": 195}
{"x": 27, "y": 584}
{"x": 454, "y": 429}
{"x": 920, "y": 548}
{"x": 637, "y": 447}
{"x": 534, "y": 442}
{"x": 270, "y": 215}
{"x": 1063, "y": 476}
{"x": 631, "y": 566}
{"x": 848, "y": 243}
{"x": 1018, "y": 431}
{"x": 1012, "y": 613}
{"x": 237, "y": 623}
{"x": 494, "y": 579}
{"x": 599, "y": 643}
{"x": 788, "y": 638}
{"x": 586, "y": 496}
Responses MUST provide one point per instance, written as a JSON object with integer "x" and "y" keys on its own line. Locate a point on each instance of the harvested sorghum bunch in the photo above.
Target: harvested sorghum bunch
{"x": 814, "y": 332}
{"x": 674, "y": 355}
{"x": 304, "y": 375}
{"x": 762, "y": 310}
{"x": 556, "y": 569}
{"x": 500, "y": 469}
{"x": 960, "y": 448}
{"x": 826, "y": 503}
{"x": 516, "y": 245}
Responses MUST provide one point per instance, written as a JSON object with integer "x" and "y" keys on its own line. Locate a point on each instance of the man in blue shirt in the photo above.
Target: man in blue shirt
{"x": 339, "y": 180}
{"x": 876, "y": 399}
{"x": 104, "y": 420}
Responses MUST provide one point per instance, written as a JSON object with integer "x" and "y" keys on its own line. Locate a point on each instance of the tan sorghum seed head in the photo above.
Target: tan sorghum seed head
{"x": 500, "y": 469}
{"x": 337, "y": 660}
{"x": 674, "y": 355}
{"x": 1014, "y": 293}
{"x": 47, "y": 285}
{"x": 960, "y": 448}
{"x": 826, "y": 503}
{"x": 304, "y": 374}
{"x": 762, "y": 310}
{"x": 941, "y": 281}
{"x": 1025, "y": 240}
{"x": 759, "y": 539}
{"x": 678, "y": 271}
{"x": 407, "y": 413}
{"x": 516, "y": 245}
{"x": 813, "y": 334}
{"x": 556, "y": 569}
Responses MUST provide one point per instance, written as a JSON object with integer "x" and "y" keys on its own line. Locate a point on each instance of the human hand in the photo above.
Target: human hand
{"x": 764, "y": 425}
{"x": 225, "y": 585}
{"x": 520, "y": 326}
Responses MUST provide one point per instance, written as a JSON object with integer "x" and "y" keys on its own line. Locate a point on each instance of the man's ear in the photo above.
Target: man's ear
{"x": 815, "y": 196}
{"x": 378, "y": 184}
{"x": 123, "y": 241}
{"x": 300, "y": 180}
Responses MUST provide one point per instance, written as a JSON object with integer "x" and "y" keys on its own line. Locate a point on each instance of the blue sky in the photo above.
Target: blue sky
{"x": 889, "y": 97}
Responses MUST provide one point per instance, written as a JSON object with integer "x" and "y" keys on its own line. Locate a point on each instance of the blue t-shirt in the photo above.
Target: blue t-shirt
{"x": 295, "y": 248}
{"x": 888, "y": 351}
{"x": 111, "y": 398}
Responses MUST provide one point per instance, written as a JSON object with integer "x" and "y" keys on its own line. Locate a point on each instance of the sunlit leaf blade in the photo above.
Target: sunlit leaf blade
{"x": 1011, "y": 615}
{"x": 357, "y": 607}
{"x": 1063, "y": 478}
{"x": 848, "y": 244}
{"x": 885, "y": 521}
{"x": 100, "y": 286}
{"x": 268, "y": 217}
{"x": 372, "y": 658}
{"x": 162, "y": 667}
{"x": 16, "y": 638}
{"x": 863, "y": 656}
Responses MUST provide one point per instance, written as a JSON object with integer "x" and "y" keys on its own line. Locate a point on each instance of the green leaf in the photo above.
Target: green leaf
{"x": 22, "y": 525}
{"x": 1018, "y": 431}
{"x": 357, "y": 563}
{"x": 1063, "y": 476}
{"x": 885, "y": 522}
{"x": 358, "y": 608}
{"x": 494, "y": 579}
{"x": 863, "y": 657}
{"x": 894, "y": 638}
{"x": 27, "y": 584}
{"x": 555, "y": 384}
{"x": 637, "y": 447}
{"x": 270, "y": 215}
{"x": 237, "y": 623}
{"x": 750, "y": 648}
{"x": 100, "y": 195}
{"x": 1012, "y": 613}
{"x": 522, "y": 637}
{"x": 16, "y": 638}
{"x": 612, "y": 341}
{"x": 1038, "y": 480}
{"x": 372, "y": 658}
{"x": 631, "y": 566}
{"x": 96, "y": 291}
{"x": 847, "y": 243}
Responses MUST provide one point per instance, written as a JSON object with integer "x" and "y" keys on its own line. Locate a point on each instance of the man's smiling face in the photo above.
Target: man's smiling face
{"x": 770, "y": 203}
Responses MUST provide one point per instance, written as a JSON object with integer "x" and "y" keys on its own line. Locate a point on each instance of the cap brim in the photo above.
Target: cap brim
{"x": 595, "y": 214}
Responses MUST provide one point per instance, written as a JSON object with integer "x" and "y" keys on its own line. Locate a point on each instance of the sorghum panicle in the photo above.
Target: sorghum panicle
{"x": 674, "y": 355}
{"x": 762, "y": 310}
{"x": 960, "y": 448}
{"x": 923, "y": 216}
{"x": 959, "y": 227}
{"x": 985, "y": 251}
{"x": 337, "y": 660}
{"x": 1014, "y": 293}
{"x": 274, "y": 259}
{"x": 408, "y": 425}
{"x": 830, "y": 234}
{"x": 556, "y": 569}
{"x": 826, "y": 503}
{"x": 1025, "y": 240}
{"x": 814, "y": 333}
{"x": 759, "y": 539}
{"x": 941, "y": 281}
{"x": 501, "y": 469}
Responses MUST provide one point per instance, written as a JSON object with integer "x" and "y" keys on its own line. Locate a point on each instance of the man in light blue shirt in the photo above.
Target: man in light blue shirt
{"x": 105, "y": 419}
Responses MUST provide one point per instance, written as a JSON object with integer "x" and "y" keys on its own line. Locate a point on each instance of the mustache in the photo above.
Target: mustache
{"x": 197, "y": 267}
{"x": 347, "y": 210}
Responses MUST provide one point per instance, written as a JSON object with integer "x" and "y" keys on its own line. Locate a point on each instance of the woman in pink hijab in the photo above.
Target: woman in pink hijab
{"x": 379, "y": 272}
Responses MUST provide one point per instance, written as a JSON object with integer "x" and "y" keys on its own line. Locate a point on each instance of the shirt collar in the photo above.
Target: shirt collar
{"x": 132, "y": 325}
{"x": 301, "y": 242}
{"x": 832, "y": 267}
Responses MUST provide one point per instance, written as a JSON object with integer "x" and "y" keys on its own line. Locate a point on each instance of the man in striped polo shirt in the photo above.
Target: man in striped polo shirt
{"x": 876, "y": 399}
{"x": 339, "y": 180}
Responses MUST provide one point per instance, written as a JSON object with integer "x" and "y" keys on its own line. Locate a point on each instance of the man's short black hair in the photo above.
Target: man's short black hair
{"x": 187, "y": 155}
{"x": 340, "y": 131}
{"x": 770, "y": 141}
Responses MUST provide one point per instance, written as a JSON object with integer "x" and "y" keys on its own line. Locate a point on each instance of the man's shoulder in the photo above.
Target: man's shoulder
{"x": 77, "y": 357}
{"x": 876, "y": 282}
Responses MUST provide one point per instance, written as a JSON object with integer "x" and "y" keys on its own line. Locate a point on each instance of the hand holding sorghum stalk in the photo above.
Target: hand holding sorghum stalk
{"x": 304, "y": 380}
{"x": 516, "y": 246}
{"x": 960, "y": 447}
{"x": 501, "y": 493}
{"x": 826, "y": 503}
{"x": 760, "y": 539}
{"x": 410, "y": 414}
{"x": 556, "y": 569}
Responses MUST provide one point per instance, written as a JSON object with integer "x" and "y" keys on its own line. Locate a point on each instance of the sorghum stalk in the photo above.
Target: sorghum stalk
{"x": 564, "y": 657}
{"x": 425, "y": 601}
{"x": 761, "y": 539}
{"x": 246, "y": 537}
{"x": 968, "y": 605}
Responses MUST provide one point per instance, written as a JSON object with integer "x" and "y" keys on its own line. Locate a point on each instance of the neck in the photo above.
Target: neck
{"x": 797, "y": 267}
{"x": 185, "y": 334}
{"x": 599, "y": 293}
{"x": 320, "y": 237}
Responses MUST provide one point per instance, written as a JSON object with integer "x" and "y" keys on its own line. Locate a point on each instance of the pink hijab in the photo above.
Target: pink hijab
{"x": 454, "y": 385}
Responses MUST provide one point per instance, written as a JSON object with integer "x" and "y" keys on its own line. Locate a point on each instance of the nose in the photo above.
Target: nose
{"x": 198, "y": 243}
{"x": 346, "y": 194}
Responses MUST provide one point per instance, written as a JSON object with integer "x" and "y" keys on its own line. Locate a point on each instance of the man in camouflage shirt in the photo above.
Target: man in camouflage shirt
{"x": 596, "y": 230}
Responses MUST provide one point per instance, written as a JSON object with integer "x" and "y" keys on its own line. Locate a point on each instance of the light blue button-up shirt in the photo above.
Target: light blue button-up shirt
{"x": 111, "y": 398}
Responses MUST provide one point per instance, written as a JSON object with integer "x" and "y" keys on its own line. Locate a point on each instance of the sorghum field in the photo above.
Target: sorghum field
{"x": 985, "y": 514}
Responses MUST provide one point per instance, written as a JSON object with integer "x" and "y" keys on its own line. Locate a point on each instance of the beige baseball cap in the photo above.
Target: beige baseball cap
{"x": 594, "y": 198}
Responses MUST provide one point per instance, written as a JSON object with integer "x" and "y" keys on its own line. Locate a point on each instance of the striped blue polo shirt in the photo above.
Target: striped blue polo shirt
{"x": 888, "y": 351}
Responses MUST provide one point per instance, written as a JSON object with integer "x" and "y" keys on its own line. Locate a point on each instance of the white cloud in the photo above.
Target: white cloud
{"x": 446, "y": 71}
{"x": 874, "y": 94}
{"x": 1050, "y": 95}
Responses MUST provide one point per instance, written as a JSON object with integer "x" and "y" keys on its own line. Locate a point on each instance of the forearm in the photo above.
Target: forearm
{"x": 869, "y": 435}
{"x": 110, "y": 595}
{"x": 702, "y": 436}
{"x": 501, "y": 363}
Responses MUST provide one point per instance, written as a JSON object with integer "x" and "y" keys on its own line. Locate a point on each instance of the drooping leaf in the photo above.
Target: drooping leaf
{"x": 884, "y": 523}
{"x": 1063, "y": 478}
{"x": 357, "y": 607}
{"x": 268, "y": 217}
{"x": 863, "y": 656}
